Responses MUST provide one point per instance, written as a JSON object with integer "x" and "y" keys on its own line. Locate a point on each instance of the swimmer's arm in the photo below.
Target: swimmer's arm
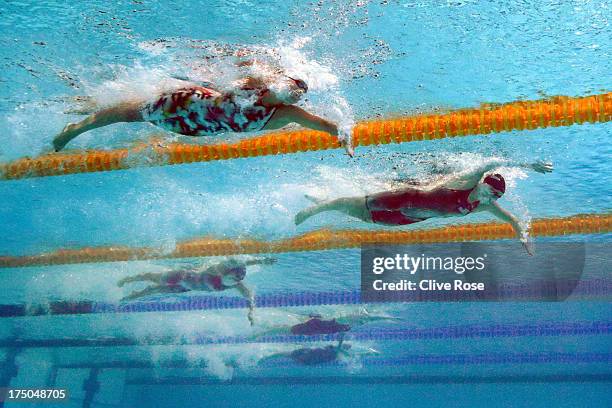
{"x": 260, "y": 261}
{"x": 471, "y": 178}
{"x": 250, "y": 296}
{"x": 504, "y": 215}
{"x": 214, "y": 270}
{"x": 287, "y": 114}
{"x": 219, "y": 269}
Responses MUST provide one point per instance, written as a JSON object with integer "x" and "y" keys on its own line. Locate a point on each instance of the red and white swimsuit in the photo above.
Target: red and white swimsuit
{"x": 200, "y": 111}
{"x": 390, "y": 207}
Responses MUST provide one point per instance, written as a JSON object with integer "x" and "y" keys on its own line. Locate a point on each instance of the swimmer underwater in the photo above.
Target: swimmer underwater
{"x": 453, "y": 195}
{"x": 216, "y": 278}
{"x": 321, "y": 355}
{"x": 264, "y": 102}
{"x": 315, "y": 324}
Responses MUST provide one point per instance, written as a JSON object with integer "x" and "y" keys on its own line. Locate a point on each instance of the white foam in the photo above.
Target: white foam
{"x": 136, "y": 83}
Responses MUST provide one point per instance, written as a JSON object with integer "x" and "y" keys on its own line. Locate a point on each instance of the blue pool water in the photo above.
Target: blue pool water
{"x": 362, "y": 60}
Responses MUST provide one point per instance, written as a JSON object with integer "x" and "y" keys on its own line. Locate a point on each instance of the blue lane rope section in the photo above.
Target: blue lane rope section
{"x": 597, "y": 288}
{"x": 413, "y": 379}
{"x": 378, "y": 334}
{"x": 470, "y": 359}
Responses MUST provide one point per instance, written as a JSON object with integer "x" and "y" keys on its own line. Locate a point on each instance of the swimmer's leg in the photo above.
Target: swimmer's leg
{"x": 123, "y": 112}
{"x": 274, "y": 331}
{"x": 274, "y": 356}
{"x": 151, "y": 277}
{"x": 353, "y": 206}
{"x": 153, "y": 290}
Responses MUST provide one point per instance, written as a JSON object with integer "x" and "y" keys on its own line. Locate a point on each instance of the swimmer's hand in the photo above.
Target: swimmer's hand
{"x": 251, "y": 318}
{"x": 66, "y": 135}
{"x": 348, "y": 147}
{"x": 542, "y": 166}
{"x": 346, "y": 142}
{"x": 528, "y": 245}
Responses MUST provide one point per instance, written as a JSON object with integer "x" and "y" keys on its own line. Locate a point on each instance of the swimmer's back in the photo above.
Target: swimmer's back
{"x": 317, "y": 326}
{"x": 202, "y": 111}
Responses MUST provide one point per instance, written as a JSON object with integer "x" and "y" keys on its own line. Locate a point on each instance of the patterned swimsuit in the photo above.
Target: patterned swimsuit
{"x": 200, "y": 111}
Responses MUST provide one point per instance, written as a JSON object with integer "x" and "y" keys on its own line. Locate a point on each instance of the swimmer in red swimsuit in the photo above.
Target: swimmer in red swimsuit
{"x": 455, "y": 195}
{"x": 315, "y": 324}
{"x": 225, "y": 275}
{"x": 201, "y": 110}
{"x": 323, "y": 355}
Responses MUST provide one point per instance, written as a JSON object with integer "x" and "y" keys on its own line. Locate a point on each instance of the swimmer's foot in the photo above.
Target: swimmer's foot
{"x": 121, "y": 283}
{"x": 69, "y": 133}
{"x": 129, "y": 298}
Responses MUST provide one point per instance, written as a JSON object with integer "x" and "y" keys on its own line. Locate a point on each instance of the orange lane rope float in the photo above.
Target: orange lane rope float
{"x": 521, "y": 115}
{"x": 318, "y": 240}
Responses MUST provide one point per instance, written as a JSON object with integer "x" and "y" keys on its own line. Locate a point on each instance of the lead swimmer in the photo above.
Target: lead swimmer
{"x": 453, "y": 195}
{"x": 264, "y": 102}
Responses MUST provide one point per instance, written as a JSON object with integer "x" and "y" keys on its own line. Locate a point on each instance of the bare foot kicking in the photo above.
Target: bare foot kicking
{"x": 121, "y": 283}
{"x": 301, "y": 217}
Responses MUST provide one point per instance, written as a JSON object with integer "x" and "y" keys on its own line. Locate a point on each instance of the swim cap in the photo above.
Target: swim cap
{"x": 238, "y": 272}
{"x": 288, "y": 90}
{"x": 497, "y": 182}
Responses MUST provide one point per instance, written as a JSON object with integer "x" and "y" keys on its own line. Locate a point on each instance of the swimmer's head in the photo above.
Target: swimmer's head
{"x": 492, "y": 187}
{"x": 288, "y": 90}
{"x": 234, "y": 273}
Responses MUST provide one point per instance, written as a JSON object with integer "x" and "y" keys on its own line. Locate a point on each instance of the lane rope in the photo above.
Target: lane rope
{"x": 489, "y": 118}
{"x": 317, "y": 240}
{"x": 535, "y": 290}
{"x": 402, "y": 360}
{"x": 410, "y": 379}
{"x": 595, "y": 328}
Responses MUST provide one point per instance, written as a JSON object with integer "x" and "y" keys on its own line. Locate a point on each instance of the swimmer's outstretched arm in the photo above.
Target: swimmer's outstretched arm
{"x": 364, "y": 317}
{"x": 218, "y": 269}
{"x": 250, "y": 296}
{"x": 274, "y": 356}
{"x": 471, "y": 178}
{"x": 221, "y": 268}
{"x": 287, "y": 114}
{"x": 505, "y": 215}
{"x": 260, "y": 261}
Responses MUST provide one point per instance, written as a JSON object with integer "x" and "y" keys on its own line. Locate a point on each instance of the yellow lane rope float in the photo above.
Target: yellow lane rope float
{"x": 318, "y": 240}
{"x": 521, "y": 115}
